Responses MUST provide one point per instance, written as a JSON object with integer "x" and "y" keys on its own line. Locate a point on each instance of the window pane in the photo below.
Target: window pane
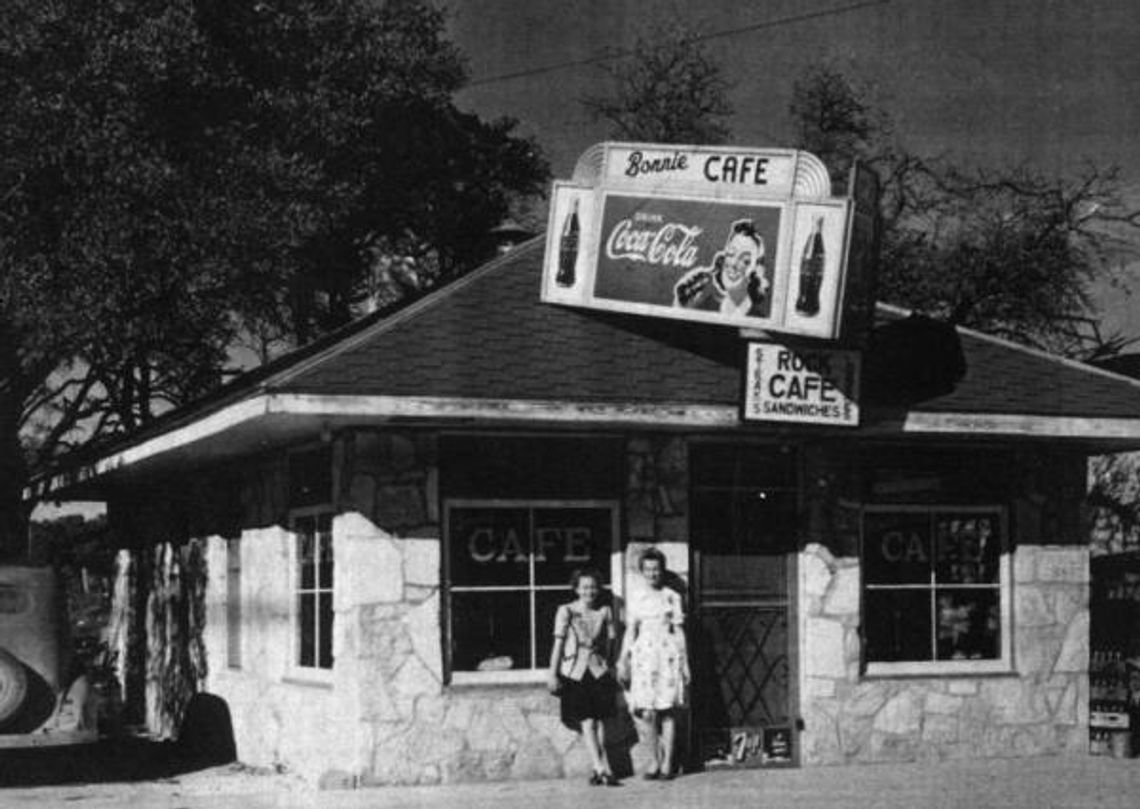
{"x": 490, "y": 631}
{"x": 547, "y": 467}
{"x": 968, "y": 548}
{"x": 743, "y": 537}
{"x": 897, "y": 548}
{"x": 306, "y": 642}
{"x": 570, "y": 538}
{"x": 898, "y": 625}
{"x": 233, "y": 603}
{"x": 310, "y": 478}
{"x": 969, "y": 624}
{"x": 306, "y": 551}
{"x": 325, "y": 617}
{"x": 325, "y": 579}
{"x": 489, "y": 547}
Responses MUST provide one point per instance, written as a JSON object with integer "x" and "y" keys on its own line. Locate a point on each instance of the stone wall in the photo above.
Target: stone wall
{"x": 425, "y": 732}
{"x": 281, "y": 717}
{"x": 386, "y": 716}
{"x": 657, "y": 501}
{"x": 1041, "y": 708}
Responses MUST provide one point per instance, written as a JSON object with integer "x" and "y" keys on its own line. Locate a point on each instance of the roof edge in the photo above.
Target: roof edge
{"x": 1075, "y": 365}
{"x": 552, "y": 412}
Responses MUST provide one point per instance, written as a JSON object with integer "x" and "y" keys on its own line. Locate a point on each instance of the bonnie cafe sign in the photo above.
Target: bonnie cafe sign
{"x": 745, "y": 238}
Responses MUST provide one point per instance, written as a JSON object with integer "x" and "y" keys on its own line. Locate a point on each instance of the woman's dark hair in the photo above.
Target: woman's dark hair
{"x": 651, "y": 554}
{"x": 585, "y": 573}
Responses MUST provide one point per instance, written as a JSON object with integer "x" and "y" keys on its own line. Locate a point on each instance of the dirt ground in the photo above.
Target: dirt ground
{"x": 1031, "y": 783}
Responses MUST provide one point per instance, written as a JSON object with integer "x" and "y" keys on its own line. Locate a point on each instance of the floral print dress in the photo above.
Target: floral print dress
{"x": 659, "y": 670}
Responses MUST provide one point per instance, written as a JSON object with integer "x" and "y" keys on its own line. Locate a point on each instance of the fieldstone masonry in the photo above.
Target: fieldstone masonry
{"x": 657, "y": 501}
{"x": 1042, "y": 707}
{"x": 395, "y": 722}
{"x": 385, "y": 715}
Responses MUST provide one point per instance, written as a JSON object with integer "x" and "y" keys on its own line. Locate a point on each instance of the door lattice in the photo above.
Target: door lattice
{"x": 746, "y": 648}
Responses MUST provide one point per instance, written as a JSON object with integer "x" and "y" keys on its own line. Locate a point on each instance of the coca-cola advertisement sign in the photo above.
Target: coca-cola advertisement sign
{"x": 750, "y": 239}
{"x": 716, "y": 258}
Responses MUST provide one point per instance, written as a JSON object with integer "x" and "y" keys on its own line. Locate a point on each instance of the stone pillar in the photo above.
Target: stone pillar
{"x": 657, "y": 501}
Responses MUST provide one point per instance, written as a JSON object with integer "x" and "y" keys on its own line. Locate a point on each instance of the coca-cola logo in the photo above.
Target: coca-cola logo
{"x": 649, "y": 239}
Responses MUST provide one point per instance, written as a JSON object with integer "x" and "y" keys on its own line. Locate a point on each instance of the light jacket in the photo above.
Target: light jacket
{"x": 586, "y": 641}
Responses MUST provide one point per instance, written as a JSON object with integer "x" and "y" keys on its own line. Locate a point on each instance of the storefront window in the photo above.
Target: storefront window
{"x": 508, "y": 565}
{"x": 936, "y": 586}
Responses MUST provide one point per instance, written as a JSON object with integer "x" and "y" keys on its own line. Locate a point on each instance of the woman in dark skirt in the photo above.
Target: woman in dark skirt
{"x": 580, "y": 668}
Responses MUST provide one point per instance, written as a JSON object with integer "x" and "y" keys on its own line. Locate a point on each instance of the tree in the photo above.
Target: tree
{"x": 1011, "y": 252}
{"x": 833, "y": 121}
{"x": 668, "y": 89}
{"x": 179, "y": 174}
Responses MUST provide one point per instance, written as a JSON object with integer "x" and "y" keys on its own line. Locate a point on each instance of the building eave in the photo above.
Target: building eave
{"x": 240, "y": 426}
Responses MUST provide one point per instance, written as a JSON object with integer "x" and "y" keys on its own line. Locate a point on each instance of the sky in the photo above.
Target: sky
{"x": 997, "y": 83}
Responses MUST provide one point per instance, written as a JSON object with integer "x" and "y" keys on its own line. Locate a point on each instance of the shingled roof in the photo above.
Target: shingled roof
{"x": 488, "y": 338}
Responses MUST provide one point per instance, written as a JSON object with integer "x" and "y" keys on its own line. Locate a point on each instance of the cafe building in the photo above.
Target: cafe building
{"x": 878, "y": 539}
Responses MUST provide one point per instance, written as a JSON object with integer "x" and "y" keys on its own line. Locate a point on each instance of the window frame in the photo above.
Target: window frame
{"x": 1004, "y": 663}
{"x": 294, "y": 669}
{"x": 518, "y": 676}
{"x": 234, "y": 604}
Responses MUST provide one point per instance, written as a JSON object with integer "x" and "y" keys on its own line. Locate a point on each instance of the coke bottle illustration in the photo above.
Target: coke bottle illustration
{"x": 811, "y": 272}
{"x": 568, "y": 252}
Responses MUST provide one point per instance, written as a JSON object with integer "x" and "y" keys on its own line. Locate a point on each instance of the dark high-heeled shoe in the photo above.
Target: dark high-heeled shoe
{"x": 652, "y": 775}
{"x": 610, "y": 780}
{"x": 596, "y": 779}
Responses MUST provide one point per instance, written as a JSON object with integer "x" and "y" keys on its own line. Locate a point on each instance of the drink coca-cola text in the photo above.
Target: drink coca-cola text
{"x": 670, "y": 244}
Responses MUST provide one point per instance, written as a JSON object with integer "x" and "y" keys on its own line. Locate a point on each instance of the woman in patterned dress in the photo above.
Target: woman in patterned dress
{"x": 654, "y": 661}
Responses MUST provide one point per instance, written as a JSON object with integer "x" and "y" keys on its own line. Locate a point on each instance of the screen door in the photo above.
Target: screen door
{"x": 744, "y": 513}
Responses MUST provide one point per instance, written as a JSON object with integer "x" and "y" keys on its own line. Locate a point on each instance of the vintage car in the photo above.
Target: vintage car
{"x": 40, "y": 702}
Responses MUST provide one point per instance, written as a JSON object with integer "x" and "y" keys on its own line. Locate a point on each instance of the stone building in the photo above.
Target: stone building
{"x": 389, "y": 517}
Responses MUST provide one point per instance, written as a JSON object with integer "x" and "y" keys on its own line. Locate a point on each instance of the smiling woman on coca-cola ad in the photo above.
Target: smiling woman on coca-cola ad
{"x": 736, "y": 283}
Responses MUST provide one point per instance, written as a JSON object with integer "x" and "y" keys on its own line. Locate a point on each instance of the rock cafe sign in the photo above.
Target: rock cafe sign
{"x": 820, "y": 386}
{"x": 740, "y": 237}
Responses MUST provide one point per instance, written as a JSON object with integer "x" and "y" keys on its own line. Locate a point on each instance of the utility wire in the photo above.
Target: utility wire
{"x": 760, "y": 26}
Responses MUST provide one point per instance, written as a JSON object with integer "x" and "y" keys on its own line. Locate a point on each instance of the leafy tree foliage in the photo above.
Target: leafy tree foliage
{"x": 1010, "y": 252}
{"x": 176, "y": 174}
{"x": 668, "y": 89}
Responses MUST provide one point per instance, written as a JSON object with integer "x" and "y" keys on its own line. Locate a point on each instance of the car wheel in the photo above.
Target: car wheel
{"x": 13, "y": 684}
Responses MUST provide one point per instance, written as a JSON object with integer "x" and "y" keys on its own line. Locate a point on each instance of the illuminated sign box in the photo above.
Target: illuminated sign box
{"x": 738, "y": 237}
